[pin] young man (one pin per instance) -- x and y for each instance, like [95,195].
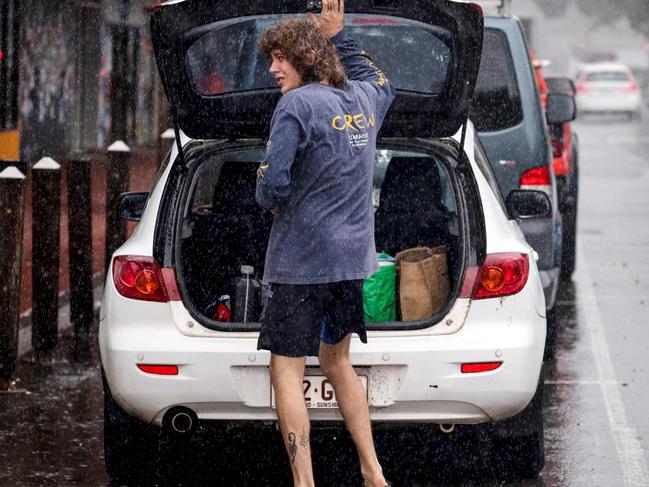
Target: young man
[317,180]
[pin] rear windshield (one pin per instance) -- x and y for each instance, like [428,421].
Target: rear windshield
[224,57]
[496,101]
[607,76]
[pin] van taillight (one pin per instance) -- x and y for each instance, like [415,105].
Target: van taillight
[501,274]
[139,277]
[539,176]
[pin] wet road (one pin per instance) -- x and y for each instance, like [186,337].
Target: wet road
[596,389]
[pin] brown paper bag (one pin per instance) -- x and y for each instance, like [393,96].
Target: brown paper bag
[423,282]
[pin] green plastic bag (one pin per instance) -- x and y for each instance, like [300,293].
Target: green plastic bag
[379,292]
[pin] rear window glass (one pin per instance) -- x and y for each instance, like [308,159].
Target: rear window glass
[608,76]
[224,57]
[496,101]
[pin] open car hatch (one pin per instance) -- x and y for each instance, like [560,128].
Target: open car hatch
[219,86]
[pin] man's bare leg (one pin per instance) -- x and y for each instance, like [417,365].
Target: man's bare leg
[335,363]
[287,374]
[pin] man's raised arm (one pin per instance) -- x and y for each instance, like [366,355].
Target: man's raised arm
[357,63]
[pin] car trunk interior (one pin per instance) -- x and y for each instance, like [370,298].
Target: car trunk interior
[223,229]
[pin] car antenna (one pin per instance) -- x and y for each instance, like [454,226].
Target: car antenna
[174,117]
[464,126]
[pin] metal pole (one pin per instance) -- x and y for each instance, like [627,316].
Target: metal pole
[117,182]
[12,194]
[46,251]
[80,236]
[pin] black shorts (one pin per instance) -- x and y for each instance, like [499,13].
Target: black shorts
[299,316]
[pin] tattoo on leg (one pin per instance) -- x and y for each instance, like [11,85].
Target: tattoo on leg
[304,440]
[292,447]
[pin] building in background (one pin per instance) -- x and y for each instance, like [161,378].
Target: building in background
[75,75]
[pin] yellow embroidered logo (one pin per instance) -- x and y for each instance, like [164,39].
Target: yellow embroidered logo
[354,122]
[264,165]
[381,75]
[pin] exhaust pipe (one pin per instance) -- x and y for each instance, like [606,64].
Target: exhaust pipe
[447,428]
[181,420]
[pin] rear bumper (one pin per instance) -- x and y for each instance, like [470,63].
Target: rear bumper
[411,377]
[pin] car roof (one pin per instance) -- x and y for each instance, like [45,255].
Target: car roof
[605,66]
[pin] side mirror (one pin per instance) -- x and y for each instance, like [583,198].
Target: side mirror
[560,108]
[559,84]
[523,204]
[130,206]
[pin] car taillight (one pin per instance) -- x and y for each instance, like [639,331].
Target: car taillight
[582,88]
[375,21]
[632,87]
[475,368]
[557,147]
[501,274]
[139,277]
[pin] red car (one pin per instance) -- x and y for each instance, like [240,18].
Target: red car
[565,157]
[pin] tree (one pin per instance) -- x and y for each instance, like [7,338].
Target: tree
[638,13]
[603,11]
[553,8]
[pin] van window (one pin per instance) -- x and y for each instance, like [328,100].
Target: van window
[496,101]
[485,168]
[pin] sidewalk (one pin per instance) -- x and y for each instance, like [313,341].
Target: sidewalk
[25,332]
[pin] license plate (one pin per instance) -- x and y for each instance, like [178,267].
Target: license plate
[318,392]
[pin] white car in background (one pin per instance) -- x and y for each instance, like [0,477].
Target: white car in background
[169,364]
[608,88]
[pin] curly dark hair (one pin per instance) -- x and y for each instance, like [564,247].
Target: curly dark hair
[297,39]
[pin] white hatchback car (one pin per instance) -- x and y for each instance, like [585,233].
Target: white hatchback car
[608,88]
[169,363]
